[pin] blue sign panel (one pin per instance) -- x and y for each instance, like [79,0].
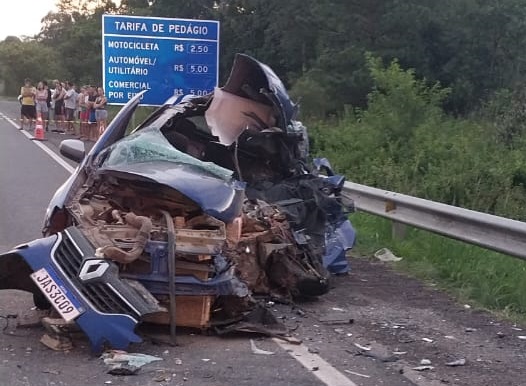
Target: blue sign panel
[168,57]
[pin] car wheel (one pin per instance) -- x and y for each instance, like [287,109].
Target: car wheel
[41,302]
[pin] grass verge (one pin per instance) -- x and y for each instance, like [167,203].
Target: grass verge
[484,278]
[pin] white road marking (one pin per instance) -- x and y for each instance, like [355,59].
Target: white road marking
[46,149]
[324,371]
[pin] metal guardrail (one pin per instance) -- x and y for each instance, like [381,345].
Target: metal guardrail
[492,232]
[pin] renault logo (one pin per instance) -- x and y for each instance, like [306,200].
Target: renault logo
[93,269]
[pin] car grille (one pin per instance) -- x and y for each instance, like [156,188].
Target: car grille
[101,296]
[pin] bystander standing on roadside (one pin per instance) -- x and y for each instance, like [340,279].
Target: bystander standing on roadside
[51,105]
[70,104]
[41,96]
[58,97]
[92,121]
[48,103]
[101,114]
[27,110]
[83,112]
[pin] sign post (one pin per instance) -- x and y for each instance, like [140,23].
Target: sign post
[168,57]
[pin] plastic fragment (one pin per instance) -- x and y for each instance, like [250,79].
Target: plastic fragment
[386,255]
[358,374]
[123,363]
[423,368]
[425,362]
[258,351]
[458,362]
[364,348]
[427,340]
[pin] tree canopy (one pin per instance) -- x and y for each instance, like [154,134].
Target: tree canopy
[473,47]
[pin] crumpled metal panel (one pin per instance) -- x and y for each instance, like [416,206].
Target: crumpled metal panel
[116,329]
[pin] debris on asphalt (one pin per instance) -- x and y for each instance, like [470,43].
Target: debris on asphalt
[423,368]
[425,362]
[300,312]
[162,377]
[357,374]
[428,340]
[56,343]
[336,318]
[313,350]
[458,362]
[124,363]
[516,328]
[178,362]
[258,351]
[522,337]
[500,334]
[380,357]
[59,326]
[338,309]
[49,371]
[399,352]
[467,306]
[31,318]
[363,348]
[404,337]
[470,329]
[288,339]
[449,337]
[386,255]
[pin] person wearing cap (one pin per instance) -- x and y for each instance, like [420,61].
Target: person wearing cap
[27,109]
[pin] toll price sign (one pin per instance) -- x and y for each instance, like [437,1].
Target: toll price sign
[167,57]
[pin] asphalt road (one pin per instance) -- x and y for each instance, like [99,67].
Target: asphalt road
[391,315]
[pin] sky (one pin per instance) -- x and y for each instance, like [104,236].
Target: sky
[22,17]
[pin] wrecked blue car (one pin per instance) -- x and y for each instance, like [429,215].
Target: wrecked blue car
[212,197]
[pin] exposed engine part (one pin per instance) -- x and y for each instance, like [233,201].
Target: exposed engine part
[144,225]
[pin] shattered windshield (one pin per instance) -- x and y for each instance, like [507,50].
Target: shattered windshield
[149,145]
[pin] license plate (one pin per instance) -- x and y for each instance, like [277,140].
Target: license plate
[66,305]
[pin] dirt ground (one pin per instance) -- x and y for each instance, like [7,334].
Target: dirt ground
[407,324]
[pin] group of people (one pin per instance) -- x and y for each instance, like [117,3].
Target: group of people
[65,107]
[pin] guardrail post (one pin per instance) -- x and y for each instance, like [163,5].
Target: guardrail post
[398,230]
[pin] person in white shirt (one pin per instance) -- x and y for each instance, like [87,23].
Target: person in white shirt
[70,105]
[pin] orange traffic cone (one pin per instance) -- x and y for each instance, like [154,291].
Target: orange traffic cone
[39,130]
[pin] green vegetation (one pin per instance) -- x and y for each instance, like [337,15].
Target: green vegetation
[404,142]
[421,97]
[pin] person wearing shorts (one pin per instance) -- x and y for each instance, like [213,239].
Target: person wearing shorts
[70,104]
[41,101]
[101,114]
[27,108]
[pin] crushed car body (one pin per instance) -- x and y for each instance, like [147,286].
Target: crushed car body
[210,200]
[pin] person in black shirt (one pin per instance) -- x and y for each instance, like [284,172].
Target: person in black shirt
[48,102]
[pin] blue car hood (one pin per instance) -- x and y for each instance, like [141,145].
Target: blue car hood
[215,196]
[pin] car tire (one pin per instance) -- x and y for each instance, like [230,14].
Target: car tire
[41,302]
